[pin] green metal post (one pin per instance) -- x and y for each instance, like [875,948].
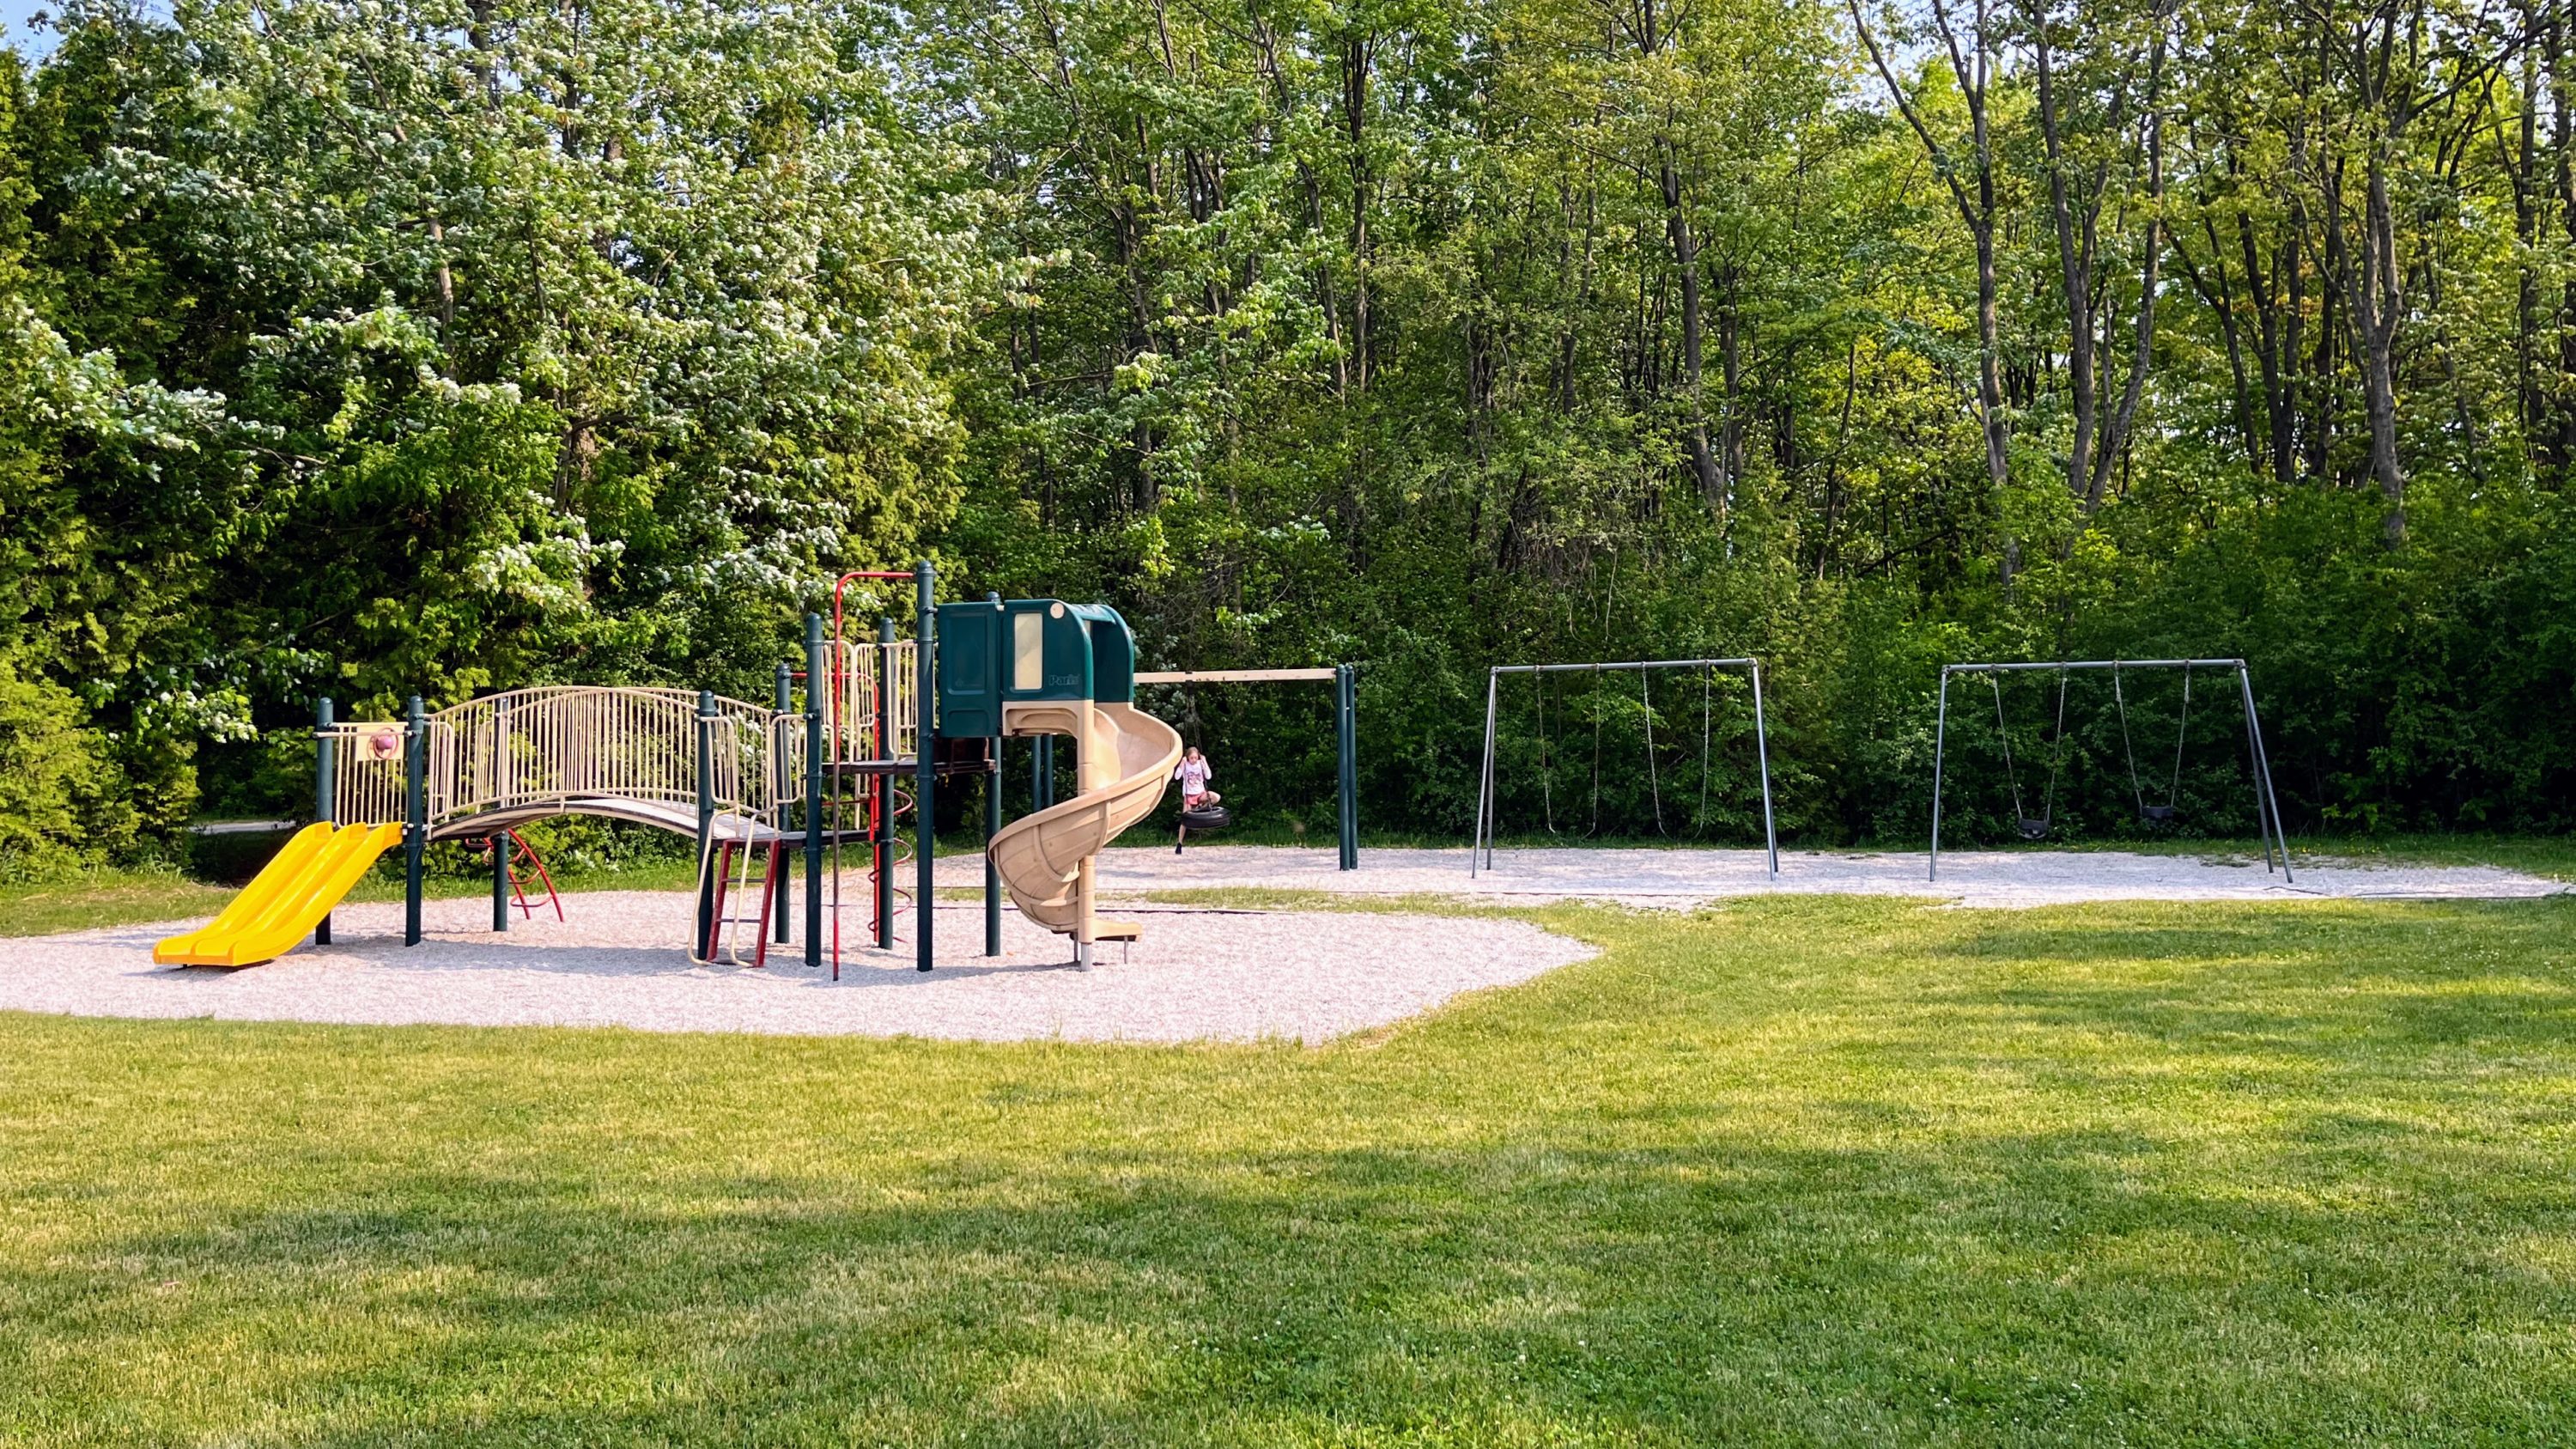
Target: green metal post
[501,840]
[1346,740]
[1041,771]
[500,881]
[925,769]
[993,827]
[706,822]
[815,685]
[415,813]
[326,788]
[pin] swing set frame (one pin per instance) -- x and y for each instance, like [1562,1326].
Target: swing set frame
[2267,805]
[1481,848]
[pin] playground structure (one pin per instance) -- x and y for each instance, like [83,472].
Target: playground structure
[1481,847]
[751,784]
[2267,808]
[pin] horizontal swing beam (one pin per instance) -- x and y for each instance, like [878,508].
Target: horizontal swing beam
[1237,676]
[1624,664]
[2093,664]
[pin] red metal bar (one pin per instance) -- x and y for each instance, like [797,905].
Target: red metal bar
[522,848]
[843,582]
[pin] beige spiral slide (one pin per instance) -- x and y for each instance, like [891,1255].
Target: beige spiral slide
[1045,860]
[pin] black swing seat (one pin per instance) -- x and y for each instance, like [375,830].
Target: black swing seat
[1212,817]
[2033,829]
[2159,814]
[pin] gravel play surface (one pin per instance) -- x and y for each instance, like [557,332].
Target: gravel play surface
[618,961]
[1691,877]
[1197,974]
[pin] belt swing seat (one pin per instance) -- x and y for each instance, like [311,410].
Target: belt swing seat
[2032,827]
[2171,810]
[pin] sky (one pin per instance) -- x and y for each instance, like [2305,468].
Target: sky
[14,29]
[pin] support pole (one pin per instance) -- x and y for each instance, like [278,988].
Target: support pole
[815,685]
[500,842]
[1485,780]
[1346,740]
[993,827]
[1762,752]
[326,788]
[2254,776]
[706,822]
[415,813]
[1940,743]
[1041,771]
[2263,772]
[500,882]
[881,834]
[782,698]
[925,771]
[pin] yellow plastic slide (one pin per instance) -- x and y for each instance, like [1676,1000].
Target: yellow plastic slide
[1044,859]
[288,898]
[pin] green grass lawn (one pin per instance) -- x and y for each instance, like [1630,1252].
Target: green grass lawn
[1796,1171]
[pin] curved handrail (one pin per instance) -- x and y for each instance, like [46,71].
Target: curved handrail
[555,744]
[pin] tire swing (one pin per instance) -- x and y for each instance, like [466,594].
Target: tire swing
[2171,810]
[2032,827]
[1206,817]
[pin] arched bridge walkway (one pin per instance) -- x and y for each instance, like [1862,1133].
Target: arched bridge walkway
[627,754]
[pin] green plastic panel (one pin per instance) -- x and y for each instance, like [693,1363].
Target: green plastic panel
[1028,650]
[970,669]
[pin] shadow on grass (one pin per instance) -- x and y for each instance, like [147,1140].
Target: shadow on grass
[2029,1288]
[1976,1183]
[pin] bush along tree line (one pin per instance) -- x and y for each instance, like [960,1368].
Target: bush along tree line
[453,345]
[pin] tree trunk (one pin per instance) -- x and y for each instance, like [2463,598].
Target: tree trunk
[1358,56]
[2115,437]
[1685,245]
[2374,297]
[2075,246]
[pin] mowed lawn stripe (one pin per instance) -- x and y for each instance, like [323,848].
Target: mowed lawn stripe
[1795,1171]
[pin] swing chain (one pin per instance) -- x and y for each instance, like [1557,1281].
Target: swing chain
[1699,817]
[2056,762]
[1546,757]
[1654,786]
[2003,732]
[1595,827]
[2182,729]
[2120,698]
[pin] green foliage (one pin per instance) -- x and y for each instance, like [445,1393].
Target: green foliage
[442,347]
